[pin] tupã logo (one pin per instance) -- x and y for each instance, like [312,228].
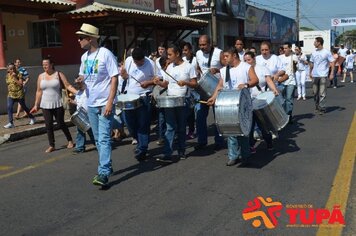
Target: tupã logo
[254,211]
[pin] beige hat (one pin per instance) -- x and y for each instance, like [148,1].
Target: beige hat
[88,30]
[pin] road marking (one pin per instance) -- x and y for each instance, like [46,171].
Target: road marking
[34,166]
[3,168]
[341,186]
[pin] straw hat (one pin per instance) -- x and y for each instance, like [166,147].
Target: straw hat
[88,30]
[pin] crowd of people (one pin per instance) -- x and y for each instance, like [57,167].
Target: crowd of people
[173,71]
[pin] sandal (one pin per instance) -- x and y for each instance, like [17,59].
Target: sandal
[70,144]
[50,149]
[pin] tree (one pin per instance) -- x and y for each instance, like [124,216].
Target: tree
[348,38]
[303,28]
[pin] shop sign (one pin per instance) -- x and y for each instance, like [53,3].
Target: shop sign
[199,7]
[134,4]
[173,6]
[257,23]
[236,8]
[283,29]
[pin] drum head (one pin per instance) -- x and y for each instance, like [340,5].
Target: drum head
[245,111]
[262,100]
[127,97]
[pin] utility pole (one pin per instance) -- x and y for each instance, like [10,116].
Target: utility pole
[213,23]
[297,22]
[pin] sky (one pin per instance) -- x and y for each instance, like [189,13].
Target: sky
[315,14]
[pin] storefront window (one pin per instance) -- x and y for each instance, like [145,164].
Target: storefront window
[45,34]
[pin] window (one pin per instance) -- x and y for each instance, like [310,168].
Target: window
[45,34]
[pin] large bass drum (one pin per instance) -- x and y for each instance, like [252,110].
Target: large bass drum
[269,112]
[80,119]
[207,85]
[233,112]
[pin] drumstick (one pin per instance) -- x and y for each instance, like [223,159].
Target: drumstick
[170,76]
[201,101]
[124,59]
[135,79]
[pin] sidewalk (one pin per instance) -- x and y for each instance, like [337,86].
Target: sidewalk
[23,129]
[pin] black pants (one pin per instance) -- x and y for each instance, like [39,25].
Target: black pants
[58,113]
[265,134]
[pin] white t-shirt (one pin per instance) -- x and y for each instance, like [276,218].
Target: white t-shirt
[238,75]
[203,59]
[287,62]
[321,59]
[184,71]
[273,63]
[194,62]
[301,60]
[342,52]
[81,98]
[241,55]
[140,73]
[262,72]
[350,59]
[97,68]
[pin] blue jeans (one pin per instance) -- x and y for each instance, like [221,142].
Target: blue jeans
[287,92]
[10,104]
[161,124]
[238,146]
[202,112]
[101,126]
[81,139]
[138,121]
[176,121]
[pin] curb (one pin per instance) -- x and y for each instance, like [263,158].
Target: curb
[29,133]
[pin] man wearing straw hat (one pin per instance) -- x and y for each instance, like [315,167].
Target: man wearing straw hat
[99,71]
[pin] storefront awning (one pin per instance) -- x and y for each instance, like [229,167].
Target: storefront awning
[36,6]
[103,10]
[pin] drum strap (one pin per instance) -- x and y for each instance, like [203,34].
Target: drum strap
[227,76]
[210,56]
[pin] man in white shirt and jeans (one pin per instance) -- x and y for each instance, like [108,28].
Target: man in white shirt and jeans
[320,61]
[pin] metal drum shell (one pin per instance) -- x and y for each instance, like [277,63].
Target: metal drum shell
[269,112]
[128,102]
[80,119]
[170,101]
[207,85]
[233,112]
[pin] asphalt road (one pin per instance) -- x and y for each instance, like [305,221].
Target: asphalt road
[52,194]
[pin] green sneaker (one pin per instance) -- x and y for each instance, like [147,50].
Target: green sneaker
[100,180]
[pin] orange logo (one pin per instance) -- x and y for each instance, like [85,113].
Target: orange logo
[254,211]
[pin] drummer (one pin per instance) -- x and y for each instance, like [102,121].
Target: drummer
[264,77]
[177,78]
[235,75]
[211,59]
[138,71]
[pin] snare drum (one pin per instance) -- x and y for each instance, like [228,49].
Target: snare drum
[207,85]
[170,101]
[80,119]
[128,101]
[233,112]
[158,91]
[269,112]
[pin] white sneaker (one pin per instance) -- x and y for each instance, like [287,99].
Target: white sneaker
[9,125]
[32,121]
[299,97]
[351,81]
[304,98]
[134,141]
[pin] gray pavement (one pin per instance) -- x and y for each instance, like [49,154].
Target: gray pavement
[52,194]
